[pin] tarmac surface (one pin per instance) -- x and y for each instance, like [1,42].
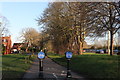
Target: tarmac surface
[51,71]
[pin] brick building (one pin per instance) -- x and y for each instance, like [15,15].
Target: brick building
[7,43]
[17,47]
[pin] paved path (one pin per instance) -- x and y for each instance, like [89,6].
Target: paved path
[51,71]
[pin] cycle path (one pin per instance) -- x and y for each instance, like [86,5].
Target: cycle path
[51,70]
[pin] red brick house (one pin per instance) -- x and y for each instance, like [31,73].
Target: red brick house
[17,47]
[6,41]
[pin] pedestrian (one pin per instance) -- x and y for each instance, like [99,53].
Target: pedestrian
[45,51]
[41,50]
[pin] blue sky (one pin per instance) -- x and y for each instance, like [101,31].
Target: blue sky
[22,15]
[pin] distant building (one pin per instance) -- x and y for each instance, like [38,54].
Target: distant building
[17,47]
[6,42]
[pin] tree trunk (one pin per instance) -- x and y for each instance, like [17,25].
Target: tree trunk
[26,49]
[80,46]
[108,42]
[111,32]
[111,43]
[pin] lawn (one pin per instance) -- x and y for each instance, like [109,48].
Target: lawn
[15,65]
[92,65]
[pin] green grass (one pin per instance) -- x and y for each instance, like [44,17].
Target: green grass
[92,65]
[15,65]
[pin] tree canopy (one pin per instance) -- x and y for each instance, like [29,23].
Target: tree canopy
[69,23]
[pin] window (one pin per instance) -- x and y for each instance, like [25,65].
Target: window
[4,40]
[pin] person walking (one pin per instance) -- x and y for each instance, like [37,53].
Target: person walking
[45,51]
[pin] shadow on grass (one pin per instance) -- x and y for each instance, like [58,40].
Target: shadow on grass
[12,74]
[94,67]
[14,66]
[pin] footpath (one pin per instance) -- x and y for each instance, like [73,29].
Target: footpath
[51,71]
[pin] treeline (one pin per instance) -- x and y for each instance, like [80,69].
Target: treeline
[104,47]
[67,24]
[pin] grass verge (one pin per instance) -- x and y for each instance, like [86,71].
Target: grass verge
[92,65]
[15,65]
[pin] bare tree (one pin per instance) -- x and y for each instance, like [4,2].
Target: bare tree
[30,36]
[106,17]
[4,24]
[69,23]
[65,23]
[3,29]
